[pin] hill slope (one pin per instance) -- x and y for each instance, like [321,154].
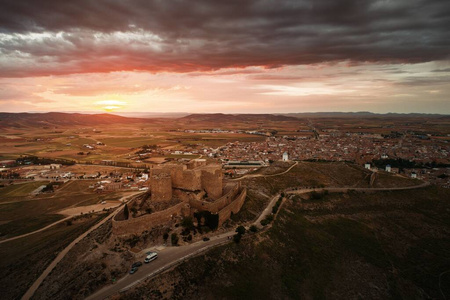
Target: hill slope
[61,119]
[387,245]
[223,118]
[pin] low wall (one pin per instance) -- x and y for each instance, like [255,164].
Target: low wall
[146,222]
[234,207]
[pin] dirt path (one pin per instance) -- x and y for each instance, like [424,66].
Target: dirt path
[36,231]
[264,175]
[171,256]
[75,211]
[346,189]
[61,255]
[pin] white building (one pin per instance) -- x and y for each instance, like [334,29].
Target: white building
[367,166]
[285,156]
[388,168]
[413,175]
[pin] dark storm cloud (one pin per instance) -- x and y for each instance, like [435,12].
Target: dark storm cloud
[186,36]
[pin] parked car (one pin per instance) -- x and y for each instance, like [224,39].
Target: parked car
[133,270]
[136,264]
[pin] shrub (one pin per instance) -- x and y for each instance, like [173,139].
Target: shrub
[253,228]
[274,209]
[267,220]
[174,238]
[240,230]
[165,237]
[187,223]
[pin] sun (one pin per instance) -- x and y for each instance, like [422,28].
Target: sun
[111,105]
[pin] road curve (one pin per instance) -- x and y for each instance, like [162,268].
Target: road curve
[168,258]
[171,256]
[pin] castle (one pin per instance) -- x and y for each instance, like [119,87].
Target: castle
[180,190]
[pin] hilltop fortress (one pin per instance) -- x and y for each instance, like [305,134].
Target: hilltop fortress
[180,190]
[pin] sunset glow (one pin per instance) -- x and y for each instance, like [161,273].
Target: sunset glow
[323,56]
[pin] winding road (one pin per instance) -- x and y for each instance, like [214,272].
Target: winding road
[171,256]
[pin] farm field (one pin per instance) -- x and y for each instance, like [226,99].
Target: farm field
[23,260]
[19,190]
[23,214]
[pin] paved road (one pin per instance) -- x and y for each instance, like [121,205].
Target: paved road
[167,258]
[171,256]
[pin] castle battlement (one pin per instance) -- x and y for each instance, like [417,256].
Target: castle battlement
[199,187]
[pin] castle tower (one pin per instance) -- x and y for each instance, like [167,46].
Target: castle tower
[212,181]
[161,187]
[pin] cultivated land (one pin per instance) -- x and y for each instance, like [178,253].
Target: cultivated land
[23,260]
[22,212]
[377,244]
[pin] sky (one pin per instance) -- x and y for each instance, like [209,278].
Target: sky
[254,56]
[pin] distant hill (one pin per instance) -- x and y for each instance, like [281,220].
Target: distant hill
[61,119]
[222,118]
[359,114]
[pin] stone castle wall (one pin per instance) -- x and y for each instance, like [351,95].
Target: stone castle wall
[146,222]
[186,179]
[187,196]
[233,207]
[189,183]
[211,181]
[161,187]
[217,205]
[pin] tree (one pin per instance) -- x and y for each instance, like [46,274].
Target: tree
[253,228]
[126,212]
[240,230]
[165,237]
